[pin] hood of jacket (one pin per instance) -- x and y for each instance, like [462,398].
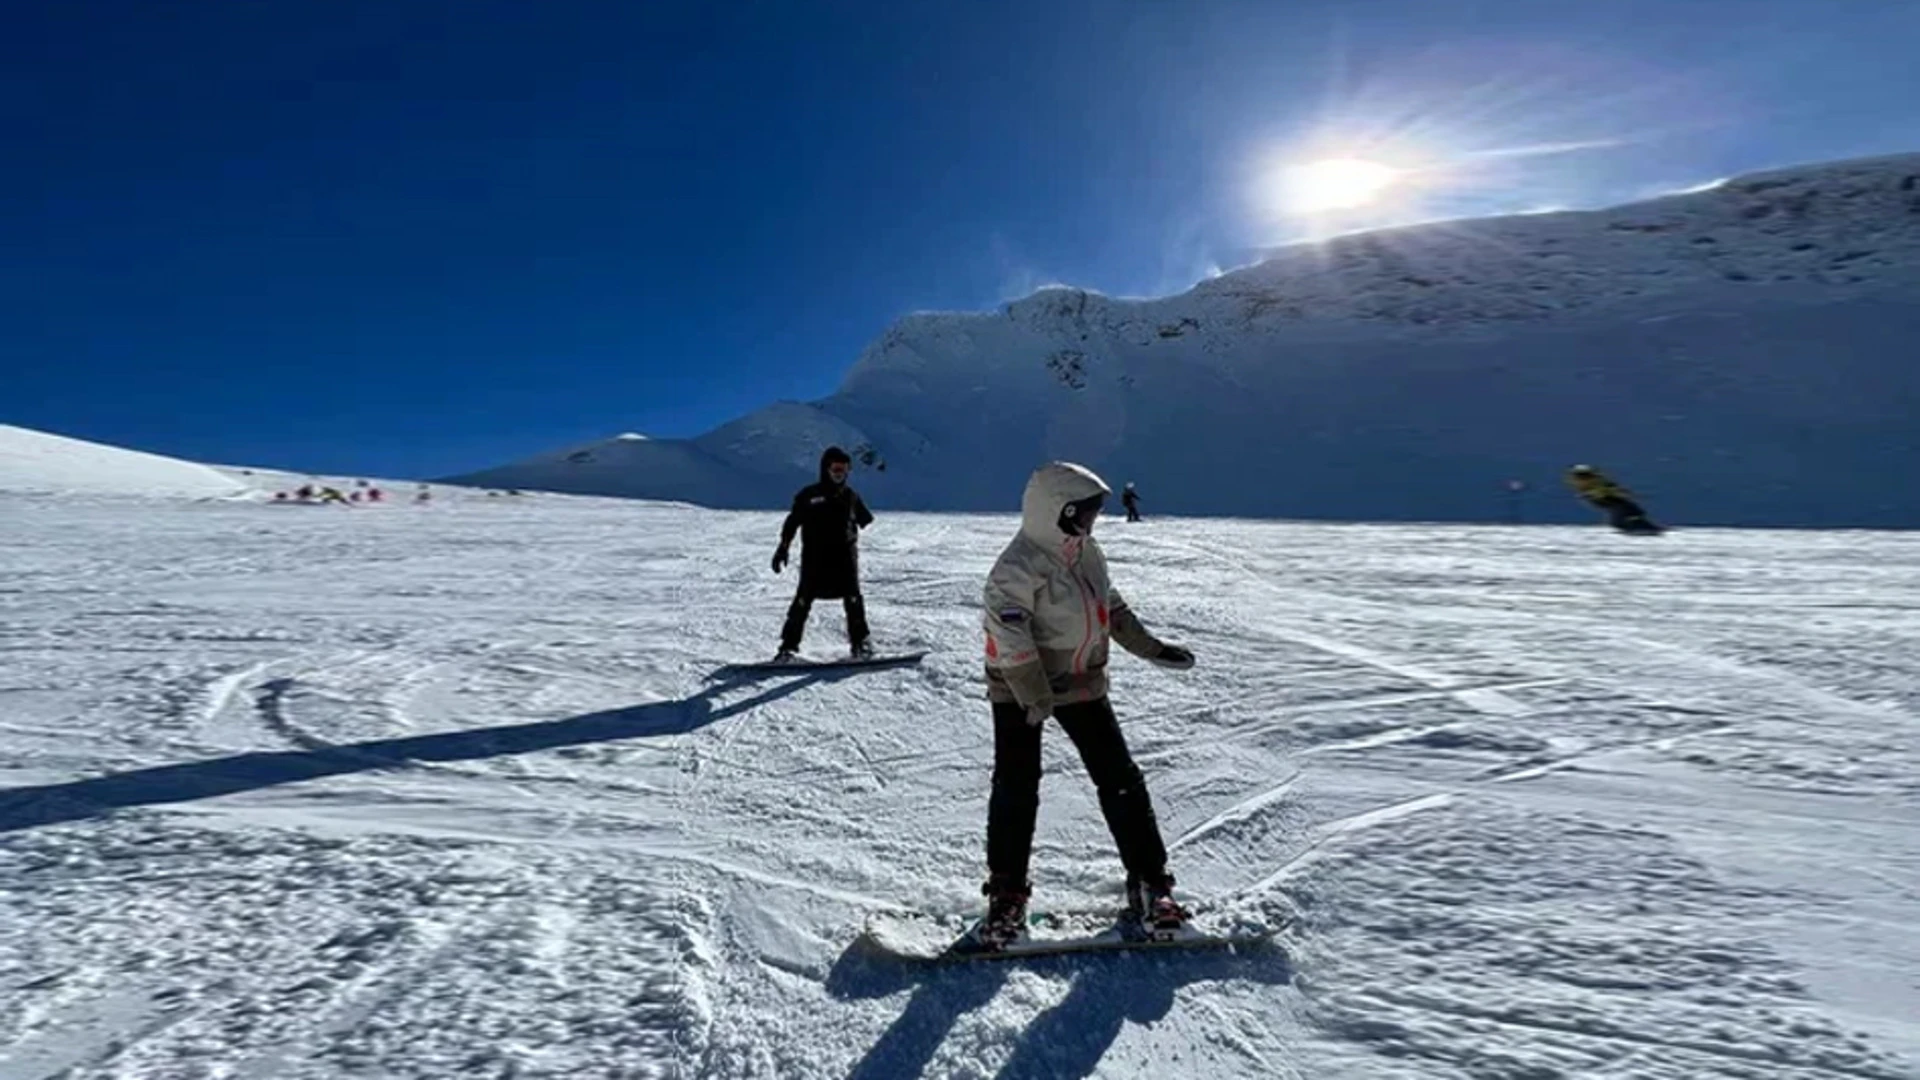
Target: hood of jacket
[830,455]
[1051,487]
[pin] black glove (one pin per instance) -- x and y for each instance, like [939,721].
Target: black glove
[1174,657]
[779,557]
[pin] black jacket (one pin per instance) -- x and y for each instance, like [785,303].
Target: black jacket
[828,517]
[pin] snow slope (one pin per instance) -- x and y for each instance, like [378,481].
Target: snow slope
[757,461]
[45,465]
[35,461]
[1741,354]
[411,795]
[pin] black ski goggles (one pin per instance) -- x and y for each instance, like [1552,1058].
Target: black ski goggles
[1076,518]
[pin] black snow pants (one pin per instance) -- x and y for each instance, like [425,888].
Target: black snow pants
[802,606]
[1623,513]
[1015,803]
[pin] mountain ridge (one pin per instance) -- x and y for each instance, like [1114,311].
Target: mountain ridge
[1737,352]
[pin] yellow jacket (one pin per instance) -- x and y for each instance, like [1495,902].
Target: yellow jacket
[1592,486]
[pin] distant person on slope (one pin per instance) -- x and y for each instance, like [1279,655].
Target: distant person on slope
[1050,614]
[1130,499]
[828,516]
[1604,494]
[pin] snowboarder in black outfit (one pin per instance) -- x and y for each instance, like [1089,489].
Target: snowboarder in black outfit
[1603,493]
[828,516]
[1130,499]
[1050,613]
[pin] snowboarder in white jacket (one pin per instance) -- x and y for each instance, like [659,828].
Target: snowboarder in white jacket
[1050,613]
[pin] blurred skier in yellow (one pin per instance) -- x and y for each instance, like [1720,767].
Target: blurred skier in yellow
[1605,494]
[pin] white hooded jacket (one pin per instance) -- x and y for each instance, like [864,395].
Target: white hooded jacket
[1050,609]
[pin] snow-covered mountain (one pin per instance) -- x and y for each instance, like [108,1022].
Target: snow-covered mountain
[752,462]
[38,462]
[1739,354]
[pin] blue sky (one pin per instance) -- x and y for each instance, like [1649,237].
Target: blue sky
[408,238]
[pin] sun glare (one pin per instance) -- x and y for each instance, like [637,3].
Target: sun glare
[1335,184]
[1457,132]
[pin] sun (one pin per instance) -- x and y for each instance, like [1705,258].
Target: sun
[1335,184]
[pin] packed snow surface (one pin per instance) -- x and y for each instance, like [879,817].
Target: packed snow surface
[449,790]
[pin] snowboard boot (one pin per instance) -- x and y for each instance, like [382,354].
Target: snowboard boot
[863,651]
[1006,918]
[1150,902]
[785,656]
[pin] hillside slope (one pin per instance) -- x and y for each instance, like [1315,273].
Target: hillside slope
[1739,354]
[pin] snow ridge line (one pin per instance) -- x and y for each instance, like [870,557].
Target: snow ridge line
[1487,700]
[1482,699]
[222,691]
[1794,685]
[1403,697]
[1394,811]
[269,702]
[1339,827]
[1238,812]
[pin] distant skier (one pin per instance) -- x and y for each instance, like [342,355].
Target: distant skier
[828,516]
[1050,614]
[1604,494]
[1130,499]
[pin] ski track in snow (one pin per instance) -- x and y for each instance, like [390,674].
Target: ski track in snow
[454,791]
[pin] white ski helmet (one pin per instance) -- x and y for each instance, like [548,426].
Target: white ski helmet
[1061,500]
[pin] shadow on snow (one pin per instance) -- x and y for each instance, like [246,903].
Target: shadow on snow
[77,800]
[1067,1040]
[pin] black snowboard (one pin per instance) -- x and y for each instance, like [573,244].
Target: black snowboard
[803,663]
